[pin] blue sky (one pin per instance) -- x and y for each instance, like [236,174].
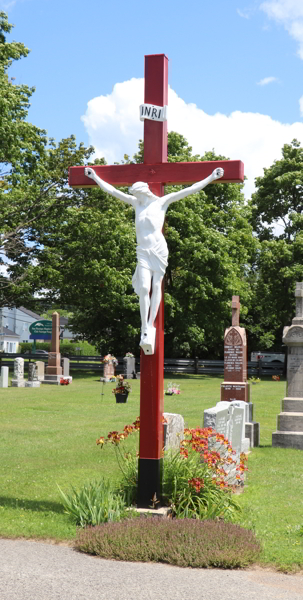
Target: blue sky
[235,72]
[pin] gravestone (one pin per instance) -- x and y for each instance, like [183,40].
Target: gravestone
[53,371]
[174,431]
[235,385]
[18,378]
[227,420]
[65,364]
[40,369]
[129,367]
[245,442]
[32,376]
[4,377]
[252,432]
[109,369]
[218,417]
[289,432]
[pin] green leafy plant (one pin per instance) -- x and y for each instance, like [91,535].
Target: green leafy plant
[190,488]
[94,504]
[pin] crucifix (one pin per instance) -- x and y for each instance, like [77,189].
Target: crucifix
[146,195]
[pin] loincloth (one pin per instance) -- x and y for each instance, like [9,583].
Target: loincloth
[154,259]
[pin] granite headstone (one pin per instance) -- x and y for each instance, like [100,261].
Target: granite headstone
[289,432]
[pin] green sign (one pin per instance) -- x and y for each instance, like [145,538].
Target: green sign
[43,327]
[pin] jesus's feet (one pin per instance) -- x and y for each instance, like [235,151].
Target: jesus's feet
[147,342]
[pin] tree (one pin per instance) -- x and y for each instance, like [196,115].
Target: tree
[279,261]
[33,183]
[279,196]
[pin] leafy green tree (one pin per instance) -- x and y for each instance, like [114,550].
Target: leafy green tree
[33,180]
[279,196]
[277,219]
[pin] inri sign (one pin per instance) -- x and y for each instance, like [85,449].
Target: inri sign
[152,112]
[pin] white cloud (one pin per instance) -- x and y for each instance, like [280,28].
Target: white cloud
[114,128]
[245,14]
[301,106]
[290,14]
[267,80]
[7,5]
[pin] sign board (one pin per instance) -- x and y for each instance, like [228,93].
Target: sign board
[41,330]
[152,112]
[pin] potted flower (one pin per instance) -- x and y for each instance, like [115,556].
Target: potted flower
[254,380]
[172,388]
[122,389]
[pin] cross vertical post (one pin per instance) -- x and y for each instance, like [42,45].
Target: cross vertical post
[235,305]
[152,366]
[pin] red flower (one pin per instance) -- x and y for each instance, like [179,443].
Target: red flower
[196,483]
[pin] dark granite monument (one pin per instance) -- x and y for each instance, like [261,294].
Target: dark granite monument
[235,385]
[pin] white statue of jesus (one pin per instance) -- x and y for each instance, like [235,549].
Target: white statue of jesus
[152,251]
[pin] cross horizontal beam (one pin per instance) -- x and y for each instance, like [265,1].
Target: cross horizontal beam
[164,173]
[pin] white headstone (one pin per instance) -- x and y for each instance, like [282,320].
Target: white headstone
[18,378]
[40,369]
[4,377]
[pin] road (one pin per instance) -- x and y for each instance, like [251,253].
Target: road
[31,570]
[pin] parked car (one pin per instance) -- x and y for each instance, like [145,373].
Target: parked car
[268,356]
[44,352]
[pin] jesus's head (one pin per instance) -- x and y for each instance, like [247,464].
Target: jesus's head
[140,189]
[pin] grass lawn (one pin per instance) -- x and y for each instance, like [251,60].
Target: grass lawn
[48,437]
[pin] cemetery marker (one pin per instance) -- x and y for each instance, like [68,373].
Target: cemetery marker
[157,172]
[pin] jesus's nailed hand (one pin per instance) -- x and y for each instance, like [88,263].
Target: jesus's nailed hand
[89,172]
[218,173]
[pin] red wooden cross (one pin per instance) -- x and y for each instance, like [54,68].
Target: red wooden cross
[157,172]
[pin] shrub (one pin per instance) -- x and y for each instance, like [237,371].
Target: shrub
[66,348]
[94,504]
[185,543]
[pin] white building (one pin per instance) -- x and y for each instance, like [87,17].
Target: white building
[14,327]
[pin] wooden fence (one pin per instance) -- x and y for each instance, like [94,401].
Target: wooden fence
[171,365]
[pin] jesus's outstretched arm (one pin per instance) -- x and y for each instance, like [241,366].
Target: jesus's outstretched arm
[107,187]
[193,189]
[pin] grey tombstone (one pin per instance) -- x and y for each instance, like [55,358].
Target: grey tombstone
[4,377]
[289,432]
[218,417]
[252,432]
[174,431]
[33,381]
[245,442]
[236,429]
[40,369]
[18,378]
[65,366]
[129,367]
